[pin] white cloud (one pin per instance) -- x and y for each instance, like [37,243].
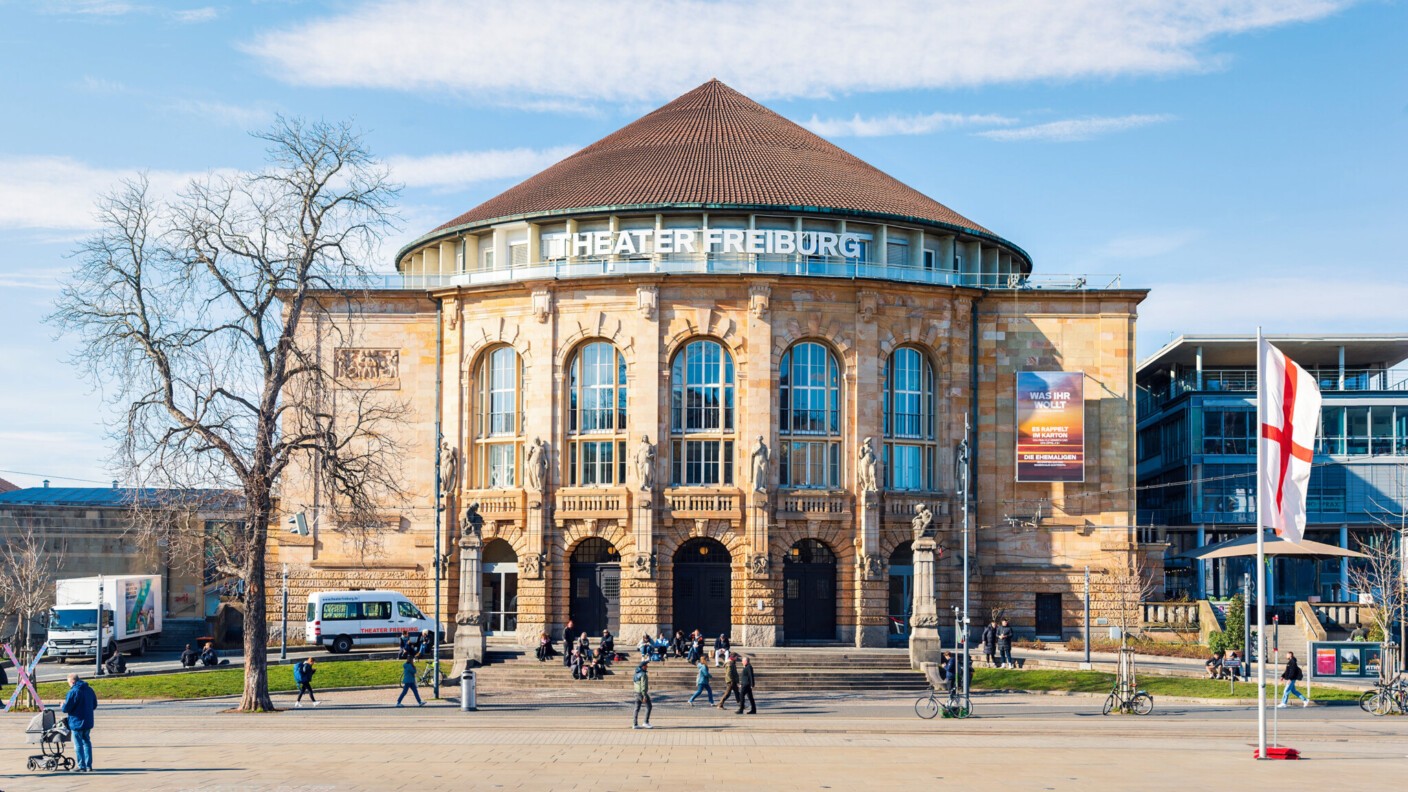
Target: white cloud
[1074,129]
[43,279]
[205,14]
[1130,247]
[514,51]
[222,113]
[116,8]
[879,126]
[59,192]
[459,169]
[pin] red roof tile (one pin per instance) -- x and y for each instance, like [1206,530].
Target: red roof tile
[713,146]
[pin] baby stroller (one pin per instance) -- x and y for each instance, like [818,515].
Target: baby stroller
[51,734]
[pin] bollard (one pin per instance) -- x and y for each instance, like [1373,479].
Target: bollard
[467,703]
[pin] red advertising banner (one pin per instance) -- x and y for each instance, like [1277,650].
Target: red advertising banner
[1050,426]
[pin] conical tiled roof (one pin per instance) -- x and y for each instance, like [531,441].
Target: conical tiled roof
[713,146]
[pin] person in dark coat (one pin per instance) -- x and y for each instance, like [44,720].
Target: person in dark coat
[408,682]
[79,705]
[990,644]
[745,688]
[1004,645]
[1292,675]
[641,685]
[948,670]
[731,682]
[303,675]
[607,645]
[189,657]
[208,656]
[569,638]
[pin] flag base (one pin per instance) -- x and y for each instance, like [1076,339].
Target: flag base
[1277,752]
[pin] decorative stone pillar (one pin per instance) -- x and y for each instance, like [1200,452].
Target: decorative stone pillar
[924,645]
[872,589]
[756,626]
[469,617]
[643,598]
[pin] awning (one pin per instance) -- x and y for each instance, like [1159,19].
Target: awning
[1245,546]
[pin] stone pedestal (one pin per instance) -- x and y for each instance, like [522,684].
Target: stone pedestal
[872,584]
[469,618]
[924,642]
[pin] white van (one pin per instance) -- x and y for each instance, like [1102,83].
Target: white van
[340,619]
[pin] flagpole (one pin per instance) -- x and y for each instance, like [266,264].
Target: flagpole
[1260,561]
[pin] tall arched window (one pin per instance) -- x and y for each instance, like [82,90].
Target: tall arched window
[909,452]
[701,416]
[809,394]
[499,413]
[596,417]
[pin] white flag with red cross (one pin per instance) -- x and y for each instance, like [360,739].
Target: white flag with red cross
[1289,407]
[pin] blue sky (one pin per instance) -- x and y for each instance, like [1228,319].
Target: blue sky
[1243,159]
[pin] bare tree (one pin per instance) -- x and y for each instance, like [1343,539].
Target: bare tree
[1381,575]
[1119,593]
[207,317]
[27,570]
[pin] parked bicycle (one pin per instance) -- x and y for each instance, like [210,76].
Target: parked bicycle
[1386,697]
[427,676]
[952,707]
[1128,700]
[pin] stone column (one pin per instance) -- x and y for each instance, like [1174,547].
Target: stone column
[924,644]
[642,608]
[751,626]
[871,600]
[469,617]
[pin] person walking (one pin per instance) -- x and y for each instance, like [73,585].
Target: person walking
[1004,645]
[990,644]
[641,684]
[408,682]
[731,681]
[701,683]
[303,675]
[745,687]
[79,705]
[1292,675]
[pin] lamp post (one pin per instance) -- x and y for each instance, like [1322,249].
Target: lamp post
[98,640]
[1087,617]
[283,633]
[439,507]
[963,493]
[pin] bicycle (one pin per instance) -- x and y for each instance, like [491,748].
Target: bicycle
[427,676]
[930,706]
[1386,698]
[1126,700]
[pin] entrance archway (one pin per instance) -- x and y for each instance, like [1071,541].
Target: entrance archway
[703,587]
[901,591]
[809,592]
[500,565]
[594,602]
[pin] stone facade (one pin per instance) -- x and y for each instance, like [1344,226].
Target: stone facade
[1027,538]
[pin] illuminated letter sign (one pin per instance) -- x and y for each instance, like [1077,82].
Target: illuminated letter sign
[1050,426]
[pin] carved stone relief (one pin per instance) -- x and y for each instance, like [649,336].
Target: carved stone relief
[366,365]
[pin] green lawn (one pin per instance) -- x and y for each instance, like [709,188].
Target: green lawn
[230,682]
[1098,682]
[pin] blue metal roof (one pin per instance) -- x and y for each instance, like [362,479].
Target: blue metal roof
[112,497]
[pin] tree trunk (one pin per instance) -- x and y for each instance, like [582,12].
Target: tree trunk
[256,625]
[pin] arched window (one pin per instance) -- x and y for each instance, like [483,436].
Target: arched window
[596,417]
[701,416]
[809,394]
[908,456]
[499,413]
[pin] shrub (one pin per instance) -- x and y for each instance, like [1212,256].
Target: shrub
[1234,630]
[1217,641]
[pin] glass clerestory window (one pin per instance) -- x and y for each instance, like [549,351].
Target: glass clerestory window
[702,416]
[909,451]
[809,397]
[596,418]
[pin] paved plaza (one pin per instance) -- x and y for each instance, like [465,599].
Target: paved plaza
[581,739]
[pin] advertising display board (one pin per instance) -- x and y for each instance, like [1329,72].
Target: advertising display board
[1050,426]
[1351,659]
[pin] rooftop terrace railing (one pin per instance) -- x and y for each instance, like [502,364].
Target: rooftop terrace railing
[1244,381]
[758,264]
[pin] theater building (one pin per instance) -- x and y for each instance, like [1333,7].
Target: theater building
[703,373]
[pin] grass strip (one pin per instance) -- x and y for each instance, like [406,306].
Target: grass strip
[1054,680]
[230,682]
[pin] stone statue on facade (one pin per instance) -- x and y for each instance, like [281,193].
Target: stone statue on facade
[645,463]
[536,464]
[644,564]
[923,519]
[531,565]
[449,472]
[760,465]
[871,566]
[758,564]
[866,467]
[473,523]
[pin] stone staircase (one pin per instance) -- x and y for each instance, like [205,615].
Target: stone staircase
[829,669]
[176,633]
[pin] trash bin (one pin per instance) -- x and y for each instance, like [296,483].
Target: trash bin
[467,703]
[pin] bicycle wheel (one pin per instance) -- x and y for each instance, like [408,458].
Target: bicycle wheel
[1366,698]
[1381,703]
[1143,704]
[927,708]
[1109,704]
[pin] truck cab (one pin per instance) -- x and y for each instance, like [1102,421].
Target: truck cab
[73,629]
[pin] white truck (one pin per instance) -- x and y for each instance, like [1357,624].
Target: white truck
[131,605]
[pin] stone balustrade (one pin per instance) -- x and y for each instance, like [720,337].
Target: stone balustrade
[1170,614]
[497,504]
[703,503]
[1340,615]
[814,505]
[592,503]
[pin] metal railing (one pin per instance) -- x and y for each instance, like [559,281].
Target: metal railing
[746,264]
[1244,381]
